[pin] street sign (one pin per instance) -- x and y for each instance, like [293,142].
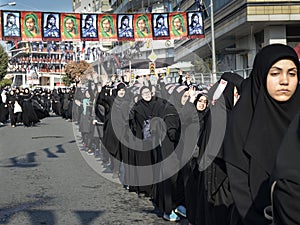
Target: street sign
[152,56]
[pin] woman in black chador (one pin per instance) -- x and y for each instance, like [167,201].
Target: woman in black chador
[269,101]
[115,120]
[10,100]
[215,201]
[29,116]
[4,115]
[143,111]
[168,195]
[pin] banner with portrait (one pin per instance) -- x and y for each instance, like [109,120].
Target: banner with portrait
[107,27]
[125,27]
[195,24]
[178,22]
[160,26]
[142,26]
[51,26]
[11,30]
[31,26]
[88,27]
[70,30]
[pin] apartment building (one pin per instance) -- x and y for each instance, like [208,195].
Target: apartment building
[241,28]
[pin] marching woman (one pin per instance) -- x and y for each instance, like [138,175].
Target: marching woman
[269,101]
[118,105]
[10,101]
[143,111]
[214,201]
[4,114]
[29,116]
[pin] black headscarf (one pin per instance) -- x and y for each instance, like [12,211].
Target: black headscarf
[258,121]
[255,130]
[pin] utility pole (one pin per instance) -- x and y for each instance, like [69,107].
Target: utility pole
[214,67]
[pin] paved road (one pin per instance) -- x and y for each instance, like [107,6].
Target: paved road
[47,180]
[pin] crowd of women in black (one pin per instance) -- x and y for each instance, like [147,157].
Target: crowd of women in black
[226,155]
[237,173]
[26,107]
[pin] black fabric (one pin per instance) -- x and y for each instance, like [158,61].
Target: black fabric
[142,111]
[254,132]
[215,204]
[286,195]
[29,116]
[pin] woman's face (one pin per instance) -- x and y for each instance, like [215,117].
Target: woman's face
[185,97]
[202,103]
[146,94]
[282,80]
[121,93]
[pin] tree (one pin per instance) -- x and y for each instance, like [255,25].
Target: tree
[78,71]
[3,62]
[5,82]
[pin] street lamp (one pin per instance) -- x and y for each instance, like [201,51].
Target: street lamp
[8,4]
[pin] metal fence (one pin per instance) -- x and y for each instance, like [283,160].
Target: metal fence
[207,78]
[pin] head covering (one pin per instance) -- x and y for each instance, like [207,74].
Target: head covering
[177,94]
[255,130]
[120,86]
[256,107]
[225,86]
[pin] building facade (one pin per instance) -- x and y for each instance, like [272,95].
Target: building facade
[241,28]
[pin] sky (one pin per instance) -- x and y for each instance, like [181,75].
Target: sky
[39,5]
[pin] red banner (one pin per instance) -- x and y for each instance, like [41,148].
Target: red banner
[69,27]
[178,26]
[143,26]
[107,27]
[31,26]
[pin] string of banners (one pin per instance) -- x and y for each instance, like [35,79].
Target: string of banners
[49,26]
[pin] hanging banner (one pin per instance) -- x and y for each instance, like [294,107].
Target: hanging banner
[31,26]
[195,24]
[70,27]
[125,27]
[51,26]
[160,24]
[89,29]
[178,23]
[107,27]
[11,30]
[143,26]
